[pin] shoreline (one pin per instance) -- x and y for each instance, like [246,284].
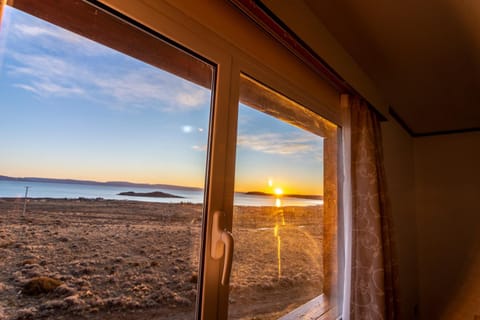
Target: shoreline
[93,199]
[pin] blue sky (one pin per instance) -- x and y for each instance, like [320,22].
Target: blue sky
[268,149]
[71,108]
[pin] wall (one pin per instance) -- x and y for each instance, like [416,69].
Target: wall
[447,178]
[298,16]
[399,167]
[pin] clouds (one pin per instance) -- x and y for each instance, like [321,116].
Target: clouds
[190,97]
[55,39]
[45,88]
[30,30]
[202,148]
[44,75]
[285,144]
[148,88]
[51,63]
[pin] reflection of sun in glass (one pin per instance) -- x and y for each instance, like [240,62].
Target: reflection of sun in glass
[278,203]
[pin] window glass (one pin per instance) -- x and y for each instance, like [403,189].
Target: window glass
[103,150]
[285,233]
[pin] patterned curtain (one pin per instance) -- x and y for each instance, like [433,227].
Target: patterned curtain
[374,276]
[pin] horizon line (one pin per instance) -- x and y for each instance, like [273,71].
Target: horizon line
[87,181]
[120,183]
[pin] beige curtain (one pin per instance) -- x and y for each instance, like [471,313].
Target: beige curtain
[374,276]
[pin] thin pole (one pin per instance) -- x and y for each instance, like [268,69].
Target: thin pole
[25,203]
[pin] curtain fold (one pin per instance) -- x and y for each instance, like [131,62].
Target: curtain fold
[374,274]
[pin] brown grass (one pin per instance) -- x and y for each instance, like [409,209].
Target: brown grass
[139,260]
[40,285]
[6,244]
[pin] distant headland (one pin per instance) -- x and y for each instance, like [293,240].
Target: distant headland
[154,194]
[97,183]
[298,196]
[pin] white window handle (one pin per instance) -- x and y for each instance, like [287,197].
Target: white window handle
[222,245]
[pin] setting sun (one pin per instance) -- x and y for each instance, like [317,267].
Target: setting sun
[278,191]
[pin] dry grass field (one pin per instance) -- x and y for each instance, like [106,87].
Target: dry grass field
[108,259]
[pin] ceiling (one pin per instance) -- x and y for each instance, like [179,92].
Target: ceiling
[423,56]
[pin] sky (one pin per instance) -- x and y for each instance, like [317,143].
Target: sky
[72,108]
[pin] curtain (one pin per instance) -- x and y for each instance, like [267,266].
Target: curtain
[373,268]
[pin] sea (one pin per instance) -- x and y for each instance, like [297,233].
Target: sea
[16,189]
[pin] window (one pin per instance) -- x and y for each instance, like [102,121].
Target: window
[104,157]
[284,219]
[123,156]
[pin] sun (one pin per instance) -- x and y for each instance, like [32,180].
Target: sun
[278,191]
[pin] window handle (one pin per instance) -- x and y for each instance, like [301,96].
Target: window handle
[222,245]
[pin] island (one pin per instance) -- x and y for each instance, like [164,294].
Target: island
[298,196]
[154,194]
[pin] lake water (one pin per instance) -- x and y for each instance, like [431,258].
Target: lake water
[16,189]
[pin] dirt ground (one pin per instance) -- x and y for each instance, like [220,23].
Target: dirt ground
[139,260]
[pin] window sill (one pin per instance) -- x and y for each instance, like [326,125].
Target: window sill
[318,308]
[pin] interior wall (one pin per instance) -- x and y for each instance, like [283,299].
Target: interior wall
[447,179]
[300,18]
[399,167]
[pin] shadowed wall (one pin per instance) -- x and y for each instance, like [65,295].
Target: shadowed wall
[447,178]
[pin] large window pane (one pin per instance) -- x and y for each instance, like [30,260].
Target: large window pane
[285,233]
[102,167]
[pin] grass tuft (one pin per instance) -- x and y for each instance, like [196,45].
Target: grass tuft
[40,285]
